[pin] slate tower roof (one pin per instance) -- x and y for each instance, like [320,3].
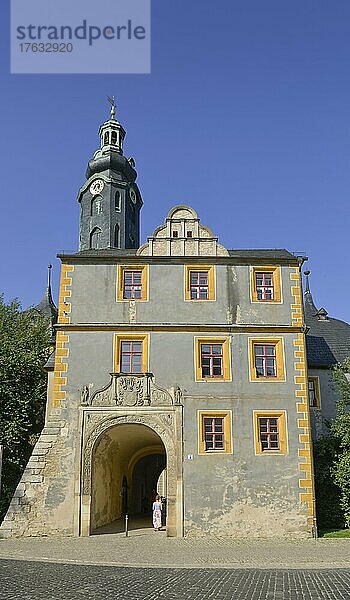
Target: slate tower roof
[328,339]
[46,305]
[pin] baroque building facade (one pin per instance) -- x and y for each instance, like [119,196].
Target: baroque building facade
[178,359]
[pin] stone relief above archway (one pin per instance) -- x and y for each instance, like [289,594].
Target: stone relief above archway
[131,390]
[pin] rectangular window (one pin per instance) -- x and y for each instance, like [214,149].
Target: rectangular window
[199,285]
[131,353]
[270,432]
[199,282]
[132,283]
[266,359]
[212,359]
[314,392]
[269,437]
[265,284]
[131,356]
[214,432]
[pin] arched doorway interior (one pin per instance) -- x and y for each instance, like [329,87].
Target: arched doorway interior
[127,460]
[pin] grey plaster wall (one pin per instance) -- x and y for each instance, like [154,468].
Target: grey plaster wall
[171,360]
[94,297]
[241,493]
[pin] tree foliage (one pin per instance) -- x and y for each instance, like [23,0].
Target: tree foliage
[24,343]
[328,493]
[332,459]
[340,428]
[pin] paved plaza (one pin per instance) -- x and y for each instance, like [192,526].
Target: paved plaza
[148,565]
[21,580]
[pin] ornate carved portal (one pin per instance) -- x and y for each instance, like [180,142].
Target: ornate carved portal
[135,401]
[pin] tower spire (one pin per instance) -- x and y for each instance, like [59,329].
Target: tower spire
[47,305]
[309,304]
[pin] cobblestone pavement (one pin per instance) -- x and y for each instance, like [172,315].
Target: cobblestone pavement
[144,548]
[22,580]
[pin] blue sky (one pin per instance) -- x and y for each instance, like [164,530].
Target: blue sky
[245,117]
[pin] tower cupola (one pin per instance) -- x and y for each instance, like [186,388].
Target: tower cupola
[112,134]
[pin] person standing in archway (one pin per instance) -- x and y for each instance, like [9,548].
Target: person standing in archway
[157,513]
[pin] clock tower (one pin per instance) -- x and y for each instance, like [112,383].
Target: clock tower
[110,200]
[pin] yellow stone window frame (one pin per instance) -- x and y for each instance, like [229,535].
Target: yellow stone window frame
[132,337]
[212,414]
[144,282]
[210,269]
[277,286]
[226,358]
[279,353]
[316,381]
[281,415]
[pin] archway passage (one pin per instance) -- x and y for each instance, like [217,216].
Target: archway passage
[127,462]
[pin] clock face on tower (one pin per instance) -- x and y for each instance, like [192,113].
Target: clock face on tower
[96,187]
[133,196]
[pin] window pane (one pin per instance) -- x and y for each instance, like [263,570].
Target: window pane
[205,349]
[219,441]
[217,371]
[203,278]
[137,277]
[263,422]
[218,424]
[273,425]
[270,350]
[136,363]
[137,346]
[125,366]
[217,349]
